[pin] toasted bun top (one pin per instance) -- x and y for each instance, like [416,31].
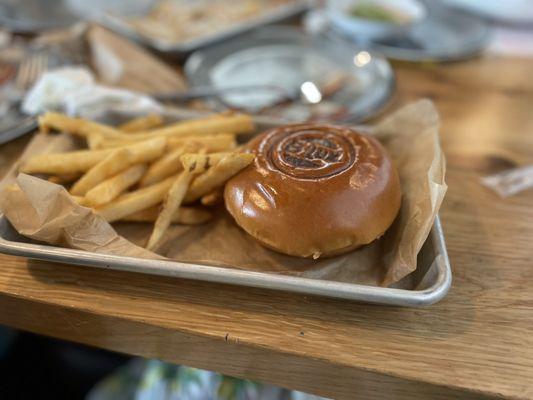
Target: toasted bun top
[315,190]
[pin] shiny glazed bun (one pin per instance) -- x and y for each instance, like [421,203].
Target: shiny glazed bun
[315,190]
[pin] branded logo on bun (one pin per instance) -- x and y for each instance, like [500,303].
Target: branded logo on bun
[308,154]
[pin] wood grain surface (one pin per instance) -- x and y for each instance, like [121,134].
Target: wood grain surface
[478,342]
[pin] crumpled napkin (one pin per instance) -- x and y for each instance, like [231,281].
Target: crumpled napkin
[74,91]
[511,181]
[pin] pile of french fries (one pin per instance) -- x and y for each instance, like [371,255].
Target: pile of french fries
[143,170]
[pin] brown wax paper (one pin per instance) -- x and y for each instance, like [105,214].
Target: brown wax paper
[46,212]
[43,211]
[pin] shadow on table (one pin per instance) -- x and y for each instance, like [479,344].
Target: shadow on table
[37,367]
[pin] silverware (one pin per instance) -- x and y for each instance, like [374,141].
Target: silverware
[307,93]
[31,69]
[26,125]
[210,91]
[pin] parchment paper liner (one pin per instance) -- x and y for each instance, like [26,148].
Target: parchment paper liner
[44,211]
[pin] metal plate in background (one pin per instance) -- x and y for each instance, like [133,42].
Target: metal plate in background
[15,124]
[446,35]
[34,16]
[31,16]
[289,58]
[184,48]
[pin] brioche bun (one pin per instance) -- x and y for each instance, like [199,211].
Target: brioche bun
[315,190]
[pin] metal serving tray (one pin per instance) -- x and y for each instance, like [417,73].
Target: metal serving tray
[430,282]
[183,48]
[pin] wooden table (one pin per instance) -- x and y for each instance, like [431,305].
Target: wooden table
[477,342]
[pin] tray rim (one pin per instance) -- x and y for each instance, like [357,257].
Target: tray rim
[170,268]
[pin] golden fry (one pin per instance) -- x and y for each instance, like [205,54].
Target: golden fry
[173,200]
[212,199]
[64,163]
[80,200]
[171,163]
[147,151]
[166,166]
[111,188]
[218,175]
[63,179]
[184,215]
[84,160]
[107,143]
[115,162]
[220,142]
[236,123]
[94,141]
[212,143]
[201,161]
[132,202]
[175,164]
[145,122]
[171,205]
[75,126]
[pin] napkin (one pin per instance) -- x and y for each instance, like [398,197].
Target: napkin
[74,91]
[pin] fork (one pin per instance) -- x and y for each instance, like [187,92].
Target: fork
[31,69]
[211,91]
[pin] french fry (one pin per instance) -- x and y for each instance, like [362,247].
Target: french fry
[63,179]
[111,188]
[145,122]
[174,199]
[64,163]
[79,199]
[107,143]
[212,143]
[218,175]
[115,162]
[171,205]
[220,142]
[84,160]
[147,151]
[174,165]
[75,126]
[94,141]
[202,161]
[184,215]
[236,123]
[166,166]
[170,164]
[213,198]
[135,201]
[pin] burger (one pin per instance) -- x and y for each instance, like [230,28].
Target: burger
[315,190]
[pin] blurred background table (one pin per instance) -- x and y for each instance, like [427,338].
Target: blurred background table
[477,342]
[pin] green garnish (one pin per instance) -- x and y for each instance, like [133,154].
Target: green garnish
[374,12]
